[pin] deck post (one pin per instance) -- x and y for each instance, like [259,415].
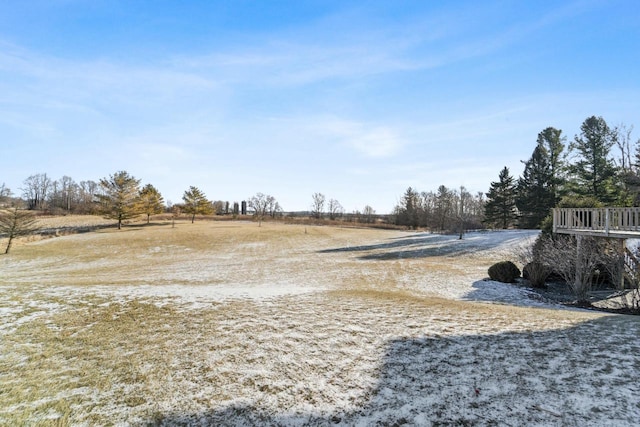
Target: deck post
[578,278]
[607,219]
[623,247]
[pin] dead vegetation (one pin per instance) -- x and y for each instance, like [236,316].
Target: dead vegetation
[231,323]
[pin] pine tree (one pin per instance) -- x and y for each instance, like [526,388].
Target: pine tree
[594,172]
[196,203]
[534,192]
[407,212]
[120,197]
[553,142]
[500,208]
[151,201]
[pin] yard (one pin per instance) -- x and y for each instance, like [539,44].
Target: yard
[228,323]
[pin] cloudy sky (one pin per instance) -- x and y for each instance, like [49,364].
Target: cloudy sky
[355,100]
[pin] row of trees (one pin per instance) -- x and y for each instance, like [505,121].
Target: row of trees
[333,210]
[121,198]
[586,172]
[444,210]
[40,192]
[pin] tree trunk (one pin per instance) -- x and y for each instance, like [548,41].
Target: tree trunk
[9,244]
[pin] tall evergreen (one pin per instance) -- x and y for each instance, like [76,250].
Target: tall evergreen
[594,172]
[500,208]
[535,194]
[553,142]
[408,211]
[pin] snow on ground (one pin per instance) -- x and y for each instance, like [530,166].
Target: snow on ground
[282,327]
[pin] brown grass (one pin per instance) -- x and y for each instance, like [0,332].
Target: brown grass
[74,356]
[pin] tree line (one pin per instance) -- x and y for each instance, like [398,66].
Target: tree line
[445,210]
[121,197]
[599,167]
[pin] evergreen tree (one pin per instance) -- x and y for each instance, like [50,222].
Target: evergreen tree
[120,197]
[534,195]
[594,173]
[408,211]
[196,203]
[553,142]
[151,201]
[500,208]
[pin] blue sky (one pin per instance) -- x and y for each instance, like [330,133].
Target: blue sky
[356,100]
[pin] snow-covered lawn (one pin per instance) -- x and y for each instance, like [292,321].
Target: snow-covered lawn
[234,324]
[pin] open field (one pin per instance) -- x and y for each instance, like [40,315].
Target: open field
[233,324]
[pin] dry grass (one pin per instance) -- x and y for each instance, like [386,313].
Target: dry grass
[74,353]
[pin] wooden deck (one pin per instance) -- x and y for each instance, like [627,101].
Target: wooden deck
[620,223]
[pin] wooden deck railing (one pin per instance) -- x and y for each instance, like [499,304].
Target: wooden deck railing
[601,220]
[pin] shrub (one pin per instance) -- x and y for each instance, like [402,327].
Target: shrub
[504,271]
[537,274]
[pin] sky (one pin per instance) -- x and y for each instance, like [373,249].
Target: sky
[357,100]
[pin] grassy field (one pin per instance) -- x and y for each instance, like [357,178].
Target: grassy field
[233,324]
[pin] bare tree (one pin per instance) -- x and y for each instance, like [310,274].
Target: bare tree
[5,194]
[368,214]
[35,190]
[464,201]
[68,192]
[445,211]
[317,206]
[622,136]
[87,193]
[273,209]
[176,211]
[16,222]
[63,194]
[218,206]
[335,209]
[263,205]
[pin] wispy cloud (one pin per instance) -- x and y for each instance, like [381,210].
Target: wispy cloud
[437,94]
[371,140]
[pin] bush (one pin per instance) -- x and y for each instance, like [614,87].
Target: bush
[537,274]
[504,271]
